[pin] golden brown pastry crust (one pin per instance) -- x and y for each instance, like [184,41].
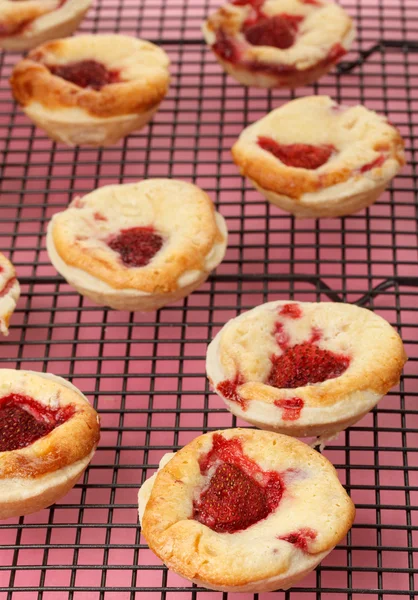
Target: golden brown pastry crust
[270,174]
[67,444]
[180,211]
[222,560]
[32,81]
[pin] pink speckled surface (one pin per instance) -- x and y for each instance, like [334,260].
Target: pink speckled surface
[145,373]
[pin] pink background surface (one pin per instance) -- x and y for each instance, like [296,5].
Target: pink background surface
[145,373]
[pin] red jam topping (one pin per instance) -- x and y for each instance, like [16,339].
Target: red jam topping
[99,217]
[336,52]
[306,364]
[7,287]
[378,162]
[228,389]
[254,3]
[239,492]
[300,538]
[278,31]
[226,47]
[86,74]
[293,311]
[300,156]
[23,421]
[137,246]
[292,407]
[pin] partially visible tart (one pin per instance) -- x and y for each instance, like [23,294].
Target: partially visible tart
[243,510]
[279,43]
[315,158]
[92,90]
[304,369]
[48,435]
[138,246]
[9,293]
[25,24]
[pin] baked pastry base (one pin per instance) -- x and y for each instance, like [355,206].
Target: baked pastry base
[87,132]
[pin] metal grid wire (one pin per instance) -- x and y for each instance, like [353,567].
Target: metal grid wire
[145,373]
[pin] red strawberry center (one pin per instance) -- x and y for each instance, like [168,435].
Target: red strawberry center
[300,538]
[86,74]
[305,364]
[278,31]
[239,493]
[136,246]
[300,156]
[23,421]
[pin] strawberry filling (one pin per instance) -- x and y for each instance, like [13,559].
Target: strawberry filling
[136,246]
[86,74]
[23,421]
[254,3]
[292,407]
[229,390]
[238,493]
[305,364]
[293,311]
[300,156]
[377,162]
[7,287]
[300,538]
[278,31]
[97,216]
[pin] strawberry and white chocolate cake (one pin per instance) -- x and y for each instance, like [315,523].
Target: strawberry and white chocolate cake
[315,158]
[92,90]
[9,293]
[279,43]
[305,369]
[244,510]
[26,23]
[138,246]
[48,435]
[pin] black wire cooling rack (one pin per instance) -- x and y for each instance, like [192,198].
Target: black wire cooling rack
[145,373]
